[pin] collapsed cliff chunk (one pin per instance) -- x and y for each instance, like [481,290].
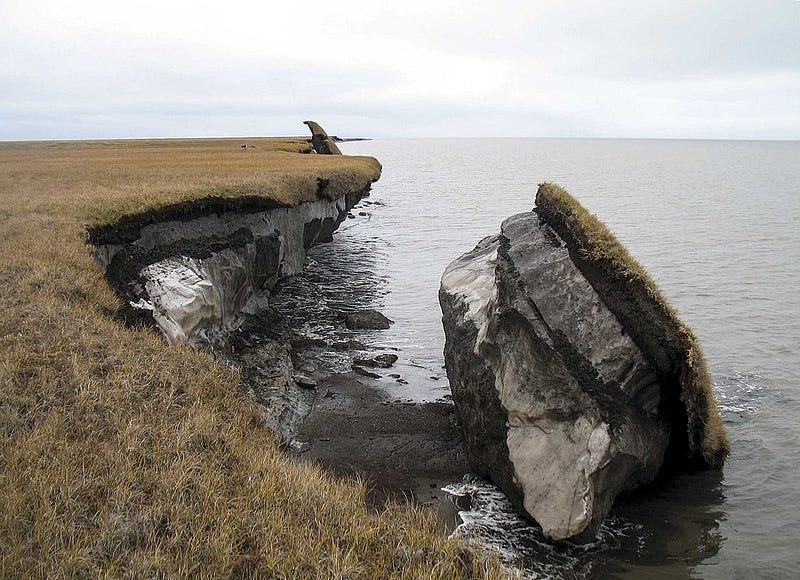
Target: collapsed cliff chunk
[574,379]
[320,141]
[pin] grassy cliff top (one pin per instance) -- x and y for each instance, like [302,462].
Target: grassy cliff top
[633,296]
[101,181]
[121,455]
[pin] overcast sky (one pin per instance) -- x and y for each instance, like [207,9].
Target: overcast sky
[427,68]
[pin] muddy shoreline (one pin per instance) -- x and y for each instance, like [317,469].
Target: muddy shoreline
[405,451]
[349,423]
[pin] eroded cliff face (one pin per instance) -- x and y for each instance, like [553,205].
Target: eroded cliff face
[195,275]
[561,407]
[203,270]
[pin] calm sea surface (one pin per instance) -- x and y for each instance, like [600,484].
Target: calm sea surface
[715,223]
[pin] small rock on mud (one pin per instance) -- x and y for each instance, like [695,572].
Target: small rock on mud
[367,319]
[349,345]
[364,372]
[383,361]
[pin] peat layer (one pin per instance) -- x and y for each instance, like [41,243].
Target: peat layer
[698,436]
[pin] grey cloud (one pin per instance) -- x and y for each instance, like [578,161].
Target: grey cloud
[673,69]
[654,39]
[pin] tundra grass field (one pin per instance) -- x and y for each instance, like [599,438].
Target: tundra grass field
[123,456]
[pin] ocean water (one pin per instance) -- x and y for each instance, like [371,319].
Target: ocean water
[714,222]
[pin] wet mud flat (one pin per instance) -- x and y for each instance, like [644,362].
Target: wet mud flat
[403,450]
[351,423]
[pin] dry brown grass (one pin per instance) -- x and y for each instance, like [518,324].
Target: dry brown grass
[99,182]
[598,245]
[122,456]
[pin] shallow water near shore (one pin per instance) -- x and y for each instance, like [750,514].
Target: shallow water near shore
[712,221]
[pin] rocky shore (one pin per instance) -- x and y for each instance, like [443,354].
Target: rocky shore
[572,384]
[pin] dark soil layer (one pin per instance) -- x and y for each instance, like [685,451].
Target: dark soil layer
[128,228]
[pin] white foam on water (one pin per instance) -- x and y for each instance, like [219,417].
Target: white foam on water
[492,523]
